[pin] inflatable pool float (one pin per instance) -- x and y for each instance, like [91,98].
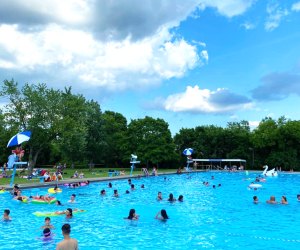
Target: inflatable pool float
[2,191]
[39,201]
[51,214]
[255,185]
[52,191]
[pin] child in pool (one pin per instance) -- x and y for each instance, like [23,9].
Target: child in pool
[47,223]
[6,216]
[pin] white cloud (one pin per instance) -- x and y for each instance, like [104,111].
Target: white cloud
[198,100]
[296,6]
[229,8]
[106,64]
[248,26]
[275,16]
[84,42]
[254,124]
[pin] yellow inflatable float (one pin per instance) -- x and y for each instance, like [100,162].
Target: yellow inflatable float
[54,191]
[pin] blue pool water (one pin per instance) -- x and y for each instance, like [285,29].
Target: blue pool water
[221,218]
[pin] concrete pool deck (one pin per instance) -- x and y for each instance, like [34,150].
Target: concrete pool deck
[109,178]
[93,179]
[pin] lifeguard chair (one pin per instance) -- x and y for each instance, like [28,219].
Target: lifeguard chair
[133,161]
[13,163]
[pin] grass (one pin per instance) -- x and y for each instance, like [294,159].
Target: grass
[94,173]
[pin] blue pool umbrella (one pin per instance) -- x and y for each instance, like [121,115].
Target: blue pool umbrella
[19,138]
[188,151]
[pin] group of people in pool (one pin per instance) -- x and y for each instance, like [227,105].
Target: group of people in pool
[272,200]
[161,215]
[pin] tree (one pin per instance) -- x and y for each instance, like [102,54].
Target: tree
[151,140]
[33,108]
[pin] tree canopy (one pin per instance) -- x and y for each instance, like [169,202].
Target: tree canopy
[68,128]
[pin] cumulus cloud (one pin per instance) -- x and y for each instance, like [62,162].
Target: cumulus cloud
[248,26]
[275,16]
[229,8]
[296,6]
[196,100]
[277,86]
[254,124]
[110,44]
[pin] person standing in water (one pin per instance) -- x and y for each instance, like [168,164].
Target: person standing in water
[67,243]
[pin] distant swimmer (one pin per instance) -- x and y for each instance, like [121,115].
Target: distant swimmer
[132,215]
[255,200]
[284,200]
[272,200]
[162,215]
[298,197]
[6,216]
[180,198]
[171,198]
[159,196]
[72,199]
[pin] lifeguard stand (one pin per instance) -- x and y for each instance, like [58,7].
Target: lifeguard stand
[13,163]
[189,160]
[133,161]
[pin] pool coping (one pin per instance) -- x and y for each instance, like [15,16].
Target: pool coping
[93,179]
[110,178]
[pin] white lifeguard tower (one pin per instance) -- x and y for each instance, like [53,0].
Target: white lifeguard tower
[133,161]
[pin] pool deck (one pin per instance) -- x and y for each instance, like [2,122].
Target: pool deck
[93,179]
[100,179]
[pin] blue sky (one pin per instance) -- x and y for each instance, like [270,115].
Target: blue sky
[196,62]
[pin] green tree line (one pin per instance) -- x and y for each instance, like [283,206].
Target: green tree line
[67,127]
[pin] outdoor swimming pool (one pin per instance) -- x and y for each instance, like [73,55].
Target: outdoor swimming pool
[221,218]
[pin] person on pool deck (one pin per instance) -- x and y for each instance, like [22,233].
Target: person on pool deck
[67,243]
[72,198]
[255,200]
[272,200]
[162,215]
[6,216]
[132,215]
[284,200]
[171,198]
[159,196]
[47,223]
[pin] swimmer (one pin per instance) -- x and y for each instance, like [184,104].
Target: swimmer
[72,198]
[132,187]
[162,215]
[47,234]
[255,200]
[6,216]
[67,242]
[159,196]
[214,186]
[132,215]
[109,185]
[58,203]
[284,200]
[298,197]
[116,193]
[272,200]
[180,198]
[129,181]
[127,192]
[142,186]
[171,198]
[47,223]
[102,192]
[68,212]
[212,177]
